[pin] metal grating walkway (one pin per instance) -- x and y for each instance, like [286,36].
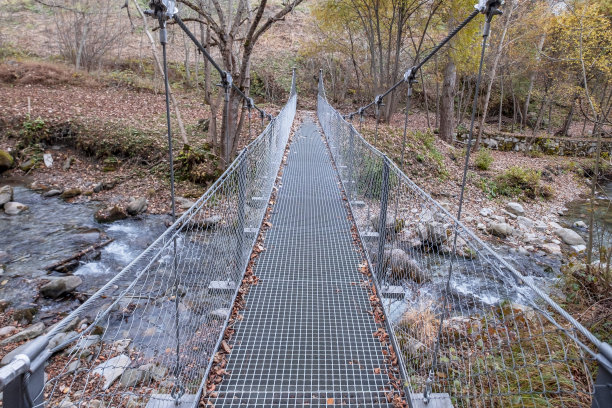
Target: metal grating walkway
[307,337]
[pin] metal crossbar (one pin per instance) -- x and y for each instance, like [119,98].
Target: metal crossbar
[502,340]
[306,337]
[128,355]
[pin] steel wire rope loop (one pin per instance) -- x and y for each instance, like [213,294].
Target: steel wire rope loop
[437,48]
[409,78]
[490,11]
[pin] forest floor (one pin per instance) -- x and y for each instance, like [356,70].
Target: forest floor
[121,140]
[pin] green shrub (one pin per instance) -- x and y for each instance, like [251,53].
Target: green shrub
[483,159]
[518,180]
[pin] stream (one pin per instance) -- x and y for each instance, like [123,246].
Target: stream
[52,230]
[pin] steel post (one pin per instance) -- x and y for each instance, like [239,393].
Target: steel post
[382,219]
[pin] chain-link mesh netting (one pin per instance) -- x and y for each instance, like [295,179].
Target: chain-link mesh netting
[158,323]
[469,325]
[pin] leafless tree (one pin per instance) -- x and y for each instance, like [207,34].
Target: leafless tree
[235,28]
[86,29]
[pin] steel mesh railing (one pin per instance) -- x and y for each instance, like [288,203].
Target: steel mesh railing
[470,327]
[156,326]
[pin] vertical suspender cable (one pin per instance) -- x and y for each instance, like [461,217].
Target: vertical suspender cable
[491,12]
[177,390]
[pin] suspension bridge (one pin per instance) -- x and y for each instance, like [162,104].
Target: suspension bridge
[314,272]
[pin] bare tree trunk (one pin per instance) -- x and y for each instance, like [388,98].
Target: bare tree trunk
[426,100]
[501,102]
[498,53]
[568,119]
[532,79]
[461,96]
[437,94]
[447,111]
[187,67]
[81,45]
[177,112]
[550,105]
[513,108]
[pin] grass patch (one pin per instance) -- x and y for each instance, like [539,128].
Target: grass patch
[516,182]
[484,159]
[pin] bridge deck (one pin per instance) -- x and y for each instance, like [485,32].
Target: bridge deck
[307,337]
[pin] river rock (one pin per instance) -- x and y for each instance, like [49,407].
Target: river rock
[132,376]
[110,214]
[552,248]
[70,193]
[392,226]
[87,341]
[500,229]
[526,312]
[524,222]
[509,214]
[137,206]
[14,208]
[26,334]
[6,195]
[52,193]
[403,266]
[570,237]
[208,222]
[6,330]
[184,203]
[515,208]
[68,163]
[6,160]
[579,248]
[27,165]
[578,224]
[157,372]
[554,226]
[60,286]
[112,369]
[48,160]
[433,232]
[539,226]
[498,218]
[486,212]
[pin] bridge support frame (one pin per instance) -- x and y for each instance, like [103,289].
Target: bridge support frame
[241,211]
[603,384]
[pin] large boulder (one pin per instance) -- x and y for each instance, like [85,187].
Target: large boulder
[26,334]
[500,229]
[70,193]
[403,266]
[6,160]
[570,237]
[515,208]
[392,226]
[110,214]
[433,232]
[27,165]
[6,194]
[14,208]
[60,286]
[137,206]
[552,248]
[112,369]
